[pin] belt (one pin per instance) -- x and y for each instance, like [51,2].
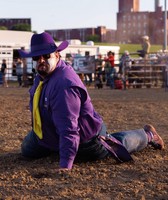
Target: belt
[115,148]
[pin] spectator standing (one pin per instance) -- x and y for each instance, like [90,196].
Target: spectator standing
[110,58]
[110,69]
[98,66]
[24,77]
[4,71]
[145,46]
[24,73]
[124,66]
[19,71]
[125,62]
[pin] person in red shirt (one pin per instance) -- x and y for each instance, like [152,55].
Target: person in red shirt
[109,69]
[110,58]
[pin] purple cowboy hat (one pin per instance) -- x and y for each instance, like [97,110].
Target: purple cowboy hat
[42,44]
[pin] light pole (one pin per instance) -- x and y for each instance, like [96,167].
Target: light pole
[165,27]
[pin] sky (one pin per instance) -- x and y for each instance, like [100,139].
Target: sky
[65,14]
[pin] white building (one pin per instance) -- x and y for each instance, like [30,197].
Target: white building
[11,40]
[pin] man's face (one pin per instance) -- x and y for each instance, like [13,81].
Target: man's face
[45,64]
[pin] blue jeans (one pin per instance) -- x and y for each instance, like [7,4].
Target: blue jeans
[132,140]
[31,148]
[19,79]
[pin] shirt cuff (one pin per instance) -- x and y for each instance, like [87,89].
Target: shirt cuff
[64,163]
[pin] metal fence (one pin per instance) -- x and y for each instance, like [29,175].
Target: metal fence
[142,73]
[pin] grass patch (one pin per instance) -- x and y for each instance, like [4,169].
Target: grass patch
[132,48]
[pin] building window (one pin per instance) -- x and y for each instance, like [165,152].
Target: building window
[145,25]
[124,18]
[82,34]
[67,34]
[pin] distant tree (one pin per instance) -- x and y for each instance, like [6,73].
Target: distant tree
[21,27]
[3,28]
[94,38]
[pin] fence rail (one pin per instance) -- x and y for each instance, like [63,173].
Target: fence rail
[149,75]
[141,74]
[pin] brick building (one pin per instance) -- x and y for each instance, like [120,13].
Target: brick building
[104,34]
[10,22]
[133,24]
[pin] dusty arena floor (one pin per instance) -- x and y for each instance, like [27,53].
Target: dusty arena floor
[144,179]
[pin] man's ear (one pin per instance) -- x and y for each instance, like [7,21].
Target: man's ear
[57,54]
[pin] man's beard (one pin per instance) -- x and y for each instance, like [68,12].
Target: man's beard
[43,69]
[46,68]
[42,73]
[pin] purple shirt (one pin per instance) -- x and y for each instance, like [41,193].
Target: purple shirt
[67,114]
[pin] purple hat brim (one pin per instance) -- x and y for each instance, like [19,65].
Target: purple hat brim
[47,49]
[62,46]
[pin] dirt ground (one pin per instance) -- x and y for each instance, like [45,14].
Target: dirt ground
[144,179]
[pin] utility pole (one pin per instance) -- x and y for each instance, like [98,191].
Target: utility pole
[165,27]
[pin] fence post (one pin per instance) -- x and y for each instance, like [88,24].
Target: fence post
[166,77]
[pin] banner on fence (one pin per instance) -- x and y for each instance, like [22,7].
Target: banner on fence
[84,64]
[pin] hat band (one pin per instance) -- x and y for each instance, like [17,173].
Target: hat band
[50,46]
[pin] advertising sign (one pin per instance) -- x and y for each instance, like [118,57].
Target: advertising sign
[84,64]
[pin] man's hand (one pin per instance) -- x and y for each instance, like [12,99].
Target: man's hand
[63,170]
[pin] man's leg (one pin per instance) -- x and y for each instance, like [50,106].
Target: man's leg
[31,148]
[136,140]
[93,149]
[132,140]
